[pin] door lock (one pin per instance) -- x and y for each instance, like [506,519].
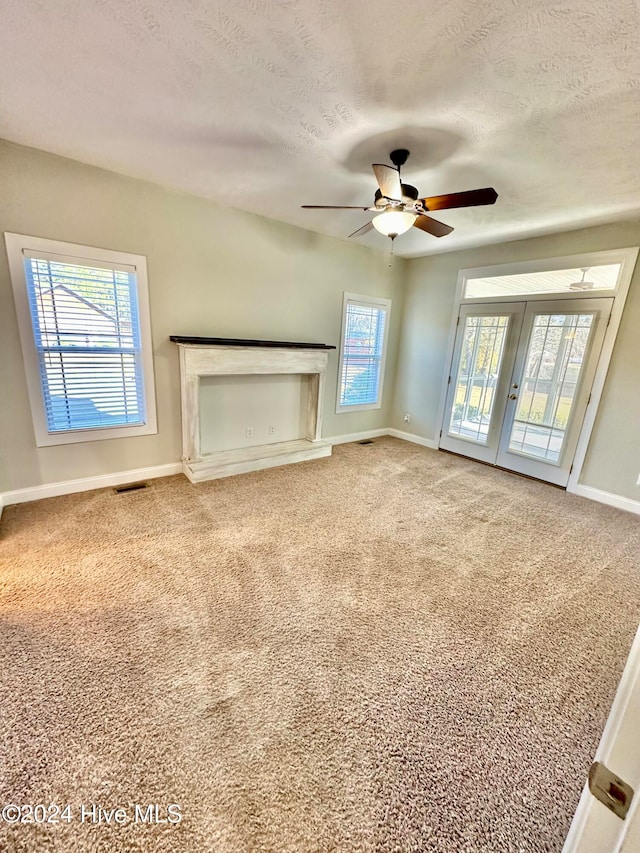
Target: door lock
[515,385]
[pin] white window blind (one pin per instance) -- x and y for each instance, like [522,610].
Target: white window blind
[86,328]
[363,349]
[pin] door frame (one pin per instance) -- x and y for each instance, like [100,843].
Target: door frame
[626,257]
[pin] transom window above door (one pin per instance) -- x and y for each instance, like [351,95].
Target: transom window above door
[597,273]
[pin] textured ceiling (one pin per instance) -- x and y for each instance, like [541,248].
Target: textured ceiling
[269,104]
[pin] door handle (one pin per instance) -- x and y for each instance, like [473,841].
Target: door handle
[513,396]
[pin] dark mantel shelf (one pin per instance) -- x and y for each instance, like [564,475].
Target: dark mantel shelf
[243,342]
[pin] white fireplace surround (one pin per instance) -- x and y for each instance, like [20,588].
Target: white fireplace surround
[221,357]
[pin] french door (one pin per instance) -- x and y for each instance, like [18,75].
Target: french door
[520,382]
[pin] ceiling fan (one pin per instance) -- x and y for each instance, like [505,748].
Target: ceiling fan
[582,284]
[398,207]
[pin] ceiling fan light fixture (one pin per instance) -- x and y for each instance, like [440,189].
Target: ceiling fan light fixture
[393,222]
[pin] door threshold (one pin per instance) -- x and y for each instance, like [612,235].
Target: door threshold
[500,468]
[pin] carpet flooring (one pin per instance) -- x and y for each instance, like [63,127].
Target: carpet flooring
[391,649]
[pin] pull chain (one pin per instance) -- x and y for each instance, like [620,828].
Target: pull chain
[393,237]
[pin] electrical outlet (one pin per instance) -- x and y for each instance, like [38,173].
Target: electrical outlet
[272,429]
[638,480]
[407,418]
[249,432]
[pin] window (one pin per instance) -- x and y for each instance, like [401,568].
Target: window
[578,275]
[365,324]
[84,327]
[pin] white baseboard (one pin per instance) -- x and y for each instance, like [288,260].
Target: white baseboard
[355,436]
[378,433]
[67,487]
[609,498]
[414,439]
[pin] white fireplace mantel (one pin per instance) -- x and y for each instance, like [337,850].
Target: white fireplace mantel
[229,356]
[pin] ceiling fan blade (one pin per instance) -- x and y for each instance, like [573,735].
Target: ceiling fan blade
[470,198]
[432,226]
[363,230]
[388,180]
[333,207]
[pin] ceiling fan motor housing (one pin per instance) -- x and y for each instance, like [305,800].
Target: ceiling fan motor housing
[409,197]
[409,192]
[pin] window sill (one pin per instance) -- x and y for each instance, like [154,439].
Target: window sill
[51,439]
[358,407]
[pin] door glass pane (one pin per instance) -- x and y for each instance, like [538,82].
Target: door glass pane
[555,356]
[480,357]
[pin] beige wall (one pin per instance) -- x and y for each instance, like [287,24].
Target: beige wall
[212,271]
[613,458]
[223,272]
